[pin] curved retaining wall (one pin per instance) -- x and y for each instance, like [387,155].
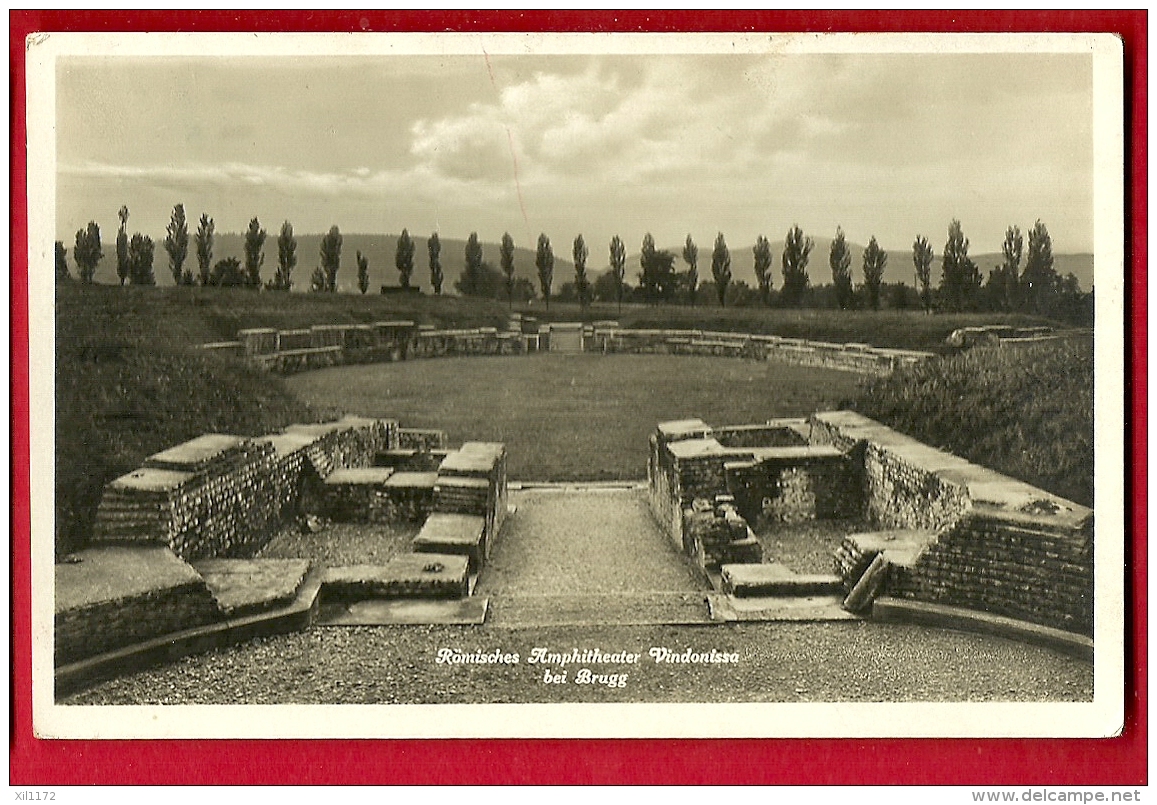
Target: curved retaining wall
[289,351]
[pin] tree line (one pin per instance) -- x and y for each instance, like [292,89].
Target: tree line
[1035,288]
[135,257]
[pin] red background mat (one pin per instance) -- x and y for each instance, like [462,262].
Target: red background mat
[1114,761]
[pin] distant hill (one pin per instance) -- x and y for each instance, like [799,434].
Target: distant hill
[378,249]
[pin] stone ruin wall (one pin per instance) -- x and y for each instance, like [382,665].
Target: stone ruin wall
[1007,565]
[795,490]
[694,462]
[305,349]
[83,631]
[424,439]
[995,544]
[663,491]
[1014,550]
[226,496]
[232,505]
[896,493]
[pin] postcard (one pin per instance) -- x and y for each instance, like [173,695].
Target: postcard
[542,385]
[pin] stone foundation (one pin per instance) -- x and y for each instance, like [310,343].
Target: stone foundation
[226,496]
[787,483]
[221,495]
[475,461]
[410,575]
[421,439]
[794,484]
[1007,564]
[951,533]
[716,534]
[357,495]
[409,495]
[458,534]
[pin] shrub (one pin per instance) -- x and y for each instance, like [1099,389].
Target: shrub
[228,273]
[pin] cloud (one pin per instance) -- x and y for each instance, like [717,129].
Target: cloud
[597,124]
[357,182]
[747,144]
[471,147]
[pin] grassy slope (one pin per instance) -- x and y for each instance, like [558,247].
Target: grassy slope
[1027,412]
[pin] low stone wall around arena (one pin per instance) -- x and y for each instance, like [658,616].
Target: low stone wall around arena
[860,358]
[290,351]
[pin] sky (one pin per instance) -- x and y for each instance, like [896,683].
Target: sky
[884,145]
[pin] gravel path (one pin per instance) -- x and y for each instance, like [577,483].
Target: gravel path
[583,541]
[338,544]
[778,662]
[588,556]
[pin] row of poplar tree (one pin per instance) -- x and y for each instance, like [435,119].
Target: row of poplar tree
[135,256]
[1036,288]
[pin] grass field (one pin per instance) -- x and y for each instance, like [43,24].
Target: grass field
[579,417]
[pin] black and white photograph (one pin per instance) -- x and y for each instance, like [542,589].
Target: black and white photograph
[577,385]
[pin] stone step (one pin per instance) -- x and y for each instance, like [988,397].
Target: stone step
[461,534]
[398,611]
[246,586]
[816,608]
[594,609]
[773,579]
[359,476]
[410,575]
